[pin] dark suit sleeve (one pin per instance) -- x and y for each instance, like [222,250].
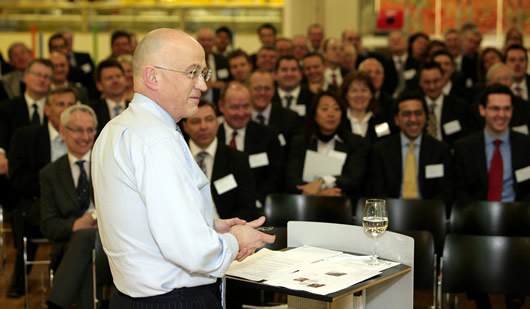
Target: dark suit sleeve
[4,127]
[463,182]
[246,188]
[295,164]
[353,172]
[24,177]
[53,225]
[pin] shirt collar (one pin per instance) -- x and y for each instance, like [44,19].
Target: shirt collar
[211,149]
[229,130]
[365,119]
[439,101]
[112,103]
[73,159]
[266,113]
[30,100]
[295,92]
[505,138]
[52,132]
[146,103]
[405,140]
[447,88]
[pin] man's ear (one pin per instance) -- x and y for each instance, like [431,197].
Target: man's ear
[150,78]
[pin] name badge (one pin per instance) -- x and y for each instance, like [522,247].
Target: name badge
[222,73]
[225,184]
[382,129]
[86,68]
[521,129]
[338,155]
[281,138]
[258,160]
[522,174]
[452,127]
[409,74]
[434,171]
[299,109]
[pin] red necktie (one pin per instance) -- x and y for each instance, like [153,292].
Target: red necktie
[495,175]
[233,140]
[334,80]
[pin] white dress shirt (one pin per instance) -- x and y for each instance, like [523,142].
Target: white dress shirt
[328,76]
[154,206]
[57,145]
[294,93]
[266,113]
[359,127]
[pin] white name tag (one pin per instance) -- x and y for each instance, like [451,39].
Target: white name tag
[452,127]
[86,68]
[338,155]
[299,109]
[382,129]
[434,171]
[522,174]
[225,184]
[222,73]
[281,139]
[409,74]
[521,129]
[258,160]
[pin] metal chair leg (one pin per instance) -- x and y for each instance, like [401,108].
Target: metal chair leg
[26,288]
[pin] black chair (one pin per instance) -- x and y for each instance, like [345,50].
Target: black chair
[490,218]
[282,208]
[101,274]
[28,264]
[413,215]
[486,264]
[425,262]
[281,239]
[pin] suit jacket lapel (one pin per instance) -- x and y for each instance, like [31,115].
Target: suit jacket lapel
[479,152]
[67,181]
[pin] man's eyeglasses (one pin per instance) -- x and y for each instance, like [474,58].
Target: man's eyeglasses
[205,74]
[80,131]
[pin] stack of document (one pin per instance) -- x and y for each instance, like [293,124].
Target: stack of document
[315,270]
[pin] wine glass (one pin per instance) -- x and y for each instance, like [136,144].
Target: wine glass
[375,222]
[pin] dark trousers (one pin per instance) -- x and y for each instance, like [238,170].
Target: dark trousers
[200,297]
[73,279]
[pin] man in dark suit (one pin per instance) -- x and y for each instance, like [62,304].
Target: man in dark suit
[473,155]
[412,164]
[28,108]
[217,63]
[291,94]
[516,58]
[471,39]
[447,116]
[240,65]
[332,52]
[19,58]
[494,164]
[81,62]
[68,216]
[33,147]
[61,76]
[110,80]
[313,69]
[354,38]
[453,81]
[233,189]
[400,67]
[259,142]
[284,121]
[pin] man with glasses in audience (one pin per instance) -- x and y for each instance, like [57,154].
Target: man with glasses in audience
[68,214]
[153,201]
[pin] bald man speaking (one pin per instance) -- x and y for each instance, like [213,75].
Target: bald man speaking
[154,204]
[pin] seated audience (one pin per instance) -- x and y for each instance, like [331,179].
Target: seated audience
[326,133]
[61,74]
[227,169]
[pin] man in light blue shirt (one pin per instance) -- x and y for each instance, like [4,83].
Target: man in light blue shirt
[154,203]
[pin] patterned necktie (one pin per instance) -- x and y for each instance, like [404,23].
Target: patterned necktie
[233,140]
[495,174]
[200,157]
[334,80]
[288,100]
[83,189]
[432,123]
[261,119]
[35,119]
[117,110]
[518,91]
[410,184]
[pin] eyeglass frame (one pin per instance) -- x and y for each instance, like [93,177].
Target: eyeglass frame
[80,131]
[206,76]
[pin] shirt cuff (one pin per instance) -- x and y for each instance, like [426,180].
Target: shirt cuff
[329,182]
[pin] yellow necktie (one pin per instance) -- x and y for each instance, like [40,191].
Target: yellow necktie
[410,185]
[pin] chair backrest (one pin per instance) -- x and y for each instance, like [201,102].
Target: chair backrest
[282,208]
[414,215]
[424,260]
[486,264]
[490,218]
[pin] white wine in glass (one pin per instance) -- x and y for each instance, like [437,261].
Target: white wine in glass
[375,222]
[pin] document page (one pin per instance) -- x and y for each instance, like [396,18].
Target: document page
[318,165]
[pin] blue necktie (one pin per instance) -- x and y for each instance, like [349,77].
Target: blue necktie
[83,187]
